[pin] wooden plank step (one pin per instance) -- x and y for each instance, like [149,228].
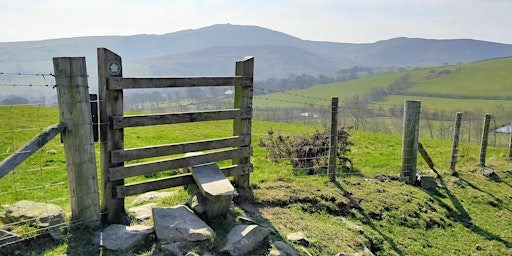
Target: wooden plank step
[211,181]
[215,187]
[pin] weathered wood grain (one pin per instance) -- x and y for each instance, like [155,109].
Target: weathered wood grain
[119,83]
[121,155]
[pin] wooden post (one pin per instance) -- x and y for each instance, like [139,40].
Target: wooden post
[485,138]
[75,111]
[455,146]
[510,142]
[410,139]
[333,147]
[243,100]
[111,104]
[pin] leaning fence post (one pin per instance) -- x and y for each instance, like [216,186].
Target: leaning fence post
[485,138]
[410,139]
[455,146]
[75,111]
[333,146]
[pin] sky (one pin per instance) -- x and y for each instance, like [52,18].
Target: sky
[346,21]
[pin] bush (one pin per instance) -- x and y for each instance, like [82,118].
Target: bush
[307,152]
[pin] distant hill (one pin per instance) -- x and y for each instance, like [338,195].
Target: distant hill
[213,50]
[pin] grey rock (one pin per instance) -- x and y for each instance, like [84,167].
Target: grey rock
[298,237]
[243,239]
[40,215]
[196,203]
[490,174]
[142,212]
[151,196]
[352,225]
[124,238]
[173,249]
[428,182]
[179,223]
[276,253]
[282,246]
[7,237]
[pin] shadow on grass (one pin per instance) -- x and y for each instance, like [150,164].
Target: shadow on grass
[461,215]
[246,201]
[497,202]
[368,219]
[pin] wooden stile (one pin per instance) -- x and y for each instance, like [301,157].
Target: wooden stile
[113,121]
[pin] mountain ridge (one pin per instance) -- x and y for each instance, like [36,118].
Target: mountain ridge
[212,50]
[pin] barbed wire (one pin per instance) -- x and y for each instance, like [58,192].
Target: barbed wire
[26,74]
[293,94]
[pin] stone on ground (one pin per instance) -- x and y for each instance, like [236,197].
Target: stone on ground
[282,246]
[123,238]
[40,215]
[243,239]
[151,196]
[180,224]
[298,237]
[142,212]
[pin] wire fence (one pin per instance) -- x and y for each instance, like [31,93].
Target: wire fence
[35,195]
[43,177]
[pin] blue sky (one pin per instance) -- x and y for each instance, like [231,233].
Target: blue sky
[350,21]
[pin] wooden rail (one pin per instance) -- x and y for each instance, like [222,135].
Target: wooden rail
[237,148]
[30,148]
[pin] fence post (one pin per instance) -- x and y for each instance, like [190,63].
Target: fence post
[111,104]
[243,100]
[410,139]
[455,146]
[510,142]
[75,111]
[333,147]
[485,138]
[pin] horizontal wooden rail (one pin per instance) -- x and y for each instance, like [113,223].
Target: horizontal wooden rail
[120,83]
[174,181]
[123,172]
[118,156]
[120,122]
[30,148]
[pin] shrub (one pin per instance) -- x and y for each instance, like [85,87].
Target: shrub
[307,152]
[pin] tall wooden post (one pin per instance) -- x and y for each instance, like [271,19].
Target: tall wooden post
[485,139]
[75,111]
[410,139]
[333,147]
[111,104]
[243,100]
[455,146]
[510,142]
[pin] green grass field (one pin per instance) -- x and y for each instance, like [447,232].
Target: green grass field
[491,78]
[469,214]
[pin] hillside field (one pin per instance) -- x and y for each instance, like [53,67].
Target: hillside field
[468,214]
[480,85]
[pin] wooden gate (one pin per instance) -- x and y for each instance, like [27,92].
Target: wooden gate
[111,84]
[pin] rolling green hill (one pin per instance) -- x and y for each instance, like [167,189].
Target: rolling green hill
[464,215]
[482,85]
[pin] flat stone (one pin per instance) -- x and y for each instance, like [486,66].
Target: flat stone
[284,247]
[40,215]
[180,224]
[142,212]
[298,237]
[124,238]
[428,182]
[243,239]
[151,196]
